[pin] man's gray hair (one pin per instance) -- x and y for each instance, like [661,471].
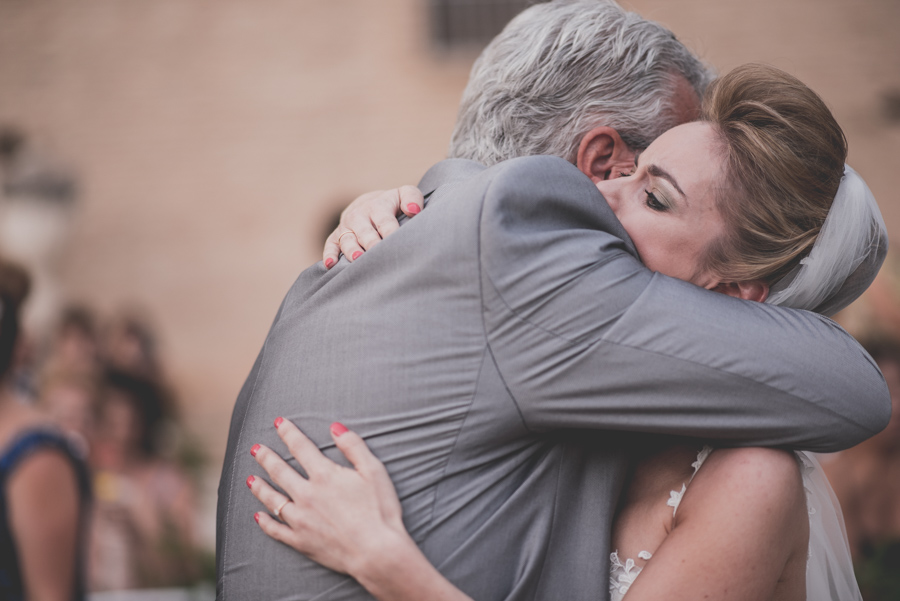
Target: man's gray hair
[562,68]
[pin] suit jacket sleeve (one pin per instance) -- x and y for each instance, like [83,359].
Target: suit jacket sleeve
[586,337]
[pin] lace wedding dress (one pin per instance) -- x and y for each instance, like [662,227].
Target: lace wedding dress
[829,568]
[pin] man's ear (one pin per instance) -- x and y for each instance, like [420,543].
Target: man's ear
[752,290]
[603,155]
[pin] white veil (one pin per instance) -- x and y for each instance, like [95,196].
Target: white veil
[829,568]
[847,255]
[849,251]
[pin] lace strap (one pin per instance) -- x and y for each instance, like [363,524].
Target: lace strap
[674,495]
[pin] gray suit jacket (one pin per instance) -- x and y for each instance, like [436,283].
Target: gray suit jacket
[497,353]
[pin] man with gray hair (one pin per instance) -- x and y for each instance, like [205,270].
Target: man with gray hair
[583,80]
[561,69]
[473,352]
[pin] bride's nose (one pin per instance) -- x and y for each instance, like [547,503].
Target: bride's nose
[611,190]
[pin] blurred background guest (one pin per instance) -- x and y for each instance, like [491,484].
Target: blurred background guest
[44,490]
[130,346]
[70,400]
[74,346]
[143,524]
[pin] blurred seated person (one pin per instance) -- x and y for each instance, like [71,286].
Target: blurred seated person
[866,480]
[44,495]
[144,519]
[70,399]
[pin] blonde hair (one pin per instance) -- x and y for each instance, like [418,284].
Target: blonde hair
[784,158]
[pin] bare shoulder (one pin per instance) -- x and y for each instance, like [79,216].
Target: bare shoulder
[740,532]
[754,471]
[761,464]
[47,475]
[759,483]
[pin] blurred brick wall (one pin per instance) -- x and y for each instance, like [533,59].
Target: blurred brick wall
[213,141]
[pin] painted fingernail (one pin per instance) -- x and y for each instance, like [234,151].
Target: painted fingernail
[337,428]
[329,263]
[278,421]
[250,480]
[256,517]
[357,255]
[413,208]
[254,450]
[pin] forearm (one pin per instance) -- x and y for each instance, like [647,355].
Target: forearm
[586,337]
[399,571]
[783,379]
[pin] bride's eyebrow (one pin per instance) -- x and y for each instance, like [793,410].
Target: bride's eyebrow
[657,171]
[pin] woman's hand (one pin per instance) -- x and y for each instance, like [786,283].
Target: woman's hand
[339,517]
[369,219]
[348,520]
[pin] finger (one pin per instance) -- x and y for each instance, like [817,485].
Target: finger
[349,244]
[266,494]
[279,471]
[277,530]
[385,224]
[302,448]
[354,448]
[383,212]
[332,251]
[411,200]
[371,469]
[360,220]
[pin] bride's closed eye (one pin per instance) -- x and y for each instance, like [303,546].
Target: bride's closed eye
[654,203]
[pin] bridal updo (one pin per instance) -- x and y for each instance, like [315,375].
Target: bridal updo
[784,157]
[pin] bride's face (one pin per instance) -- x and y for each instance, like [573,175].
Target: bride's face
[668,205]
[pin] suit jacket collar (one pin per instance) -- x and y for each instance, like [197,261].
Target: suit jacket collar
[447,172]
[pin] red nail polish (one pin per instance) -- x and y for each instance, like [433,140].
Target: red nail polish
[250,480]
[278,421]
[254,450]
[329,263]
[413,208]
[357,255]
[256,517]
[337,428]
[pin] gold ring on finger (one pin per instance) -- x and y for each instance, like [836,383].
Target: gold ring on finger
[277,512]
[351,232]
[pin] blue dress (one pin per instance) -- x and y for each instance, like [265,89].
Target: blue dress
[26,443]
